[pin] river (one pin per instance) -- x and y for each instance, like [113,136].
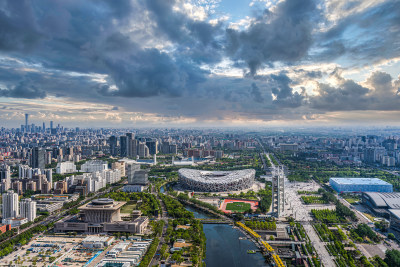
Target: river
[224,249]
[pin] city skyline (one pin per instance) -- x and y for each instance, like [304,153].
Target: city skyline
[200,63]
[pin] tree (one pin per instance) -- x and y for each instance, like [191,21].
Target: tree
[392,257]
[391,236]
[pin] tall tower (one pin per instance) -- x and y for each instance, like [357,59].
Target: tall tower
[10,205]
[278,190]
[26,120]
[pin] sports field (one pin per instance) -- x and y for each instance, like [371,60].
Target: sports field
[238,206]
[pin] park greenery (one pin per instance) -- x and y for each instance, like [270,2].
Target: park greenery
[364,233]
[313,200]
[174,208]
[337,245]
[145,202]
[261,225]
[193,234]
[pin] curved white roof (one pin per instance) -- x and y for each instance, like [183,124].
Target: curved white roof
[215,177]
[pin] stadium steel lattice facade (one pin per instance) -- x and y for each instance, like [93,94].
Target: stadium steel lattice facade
[216,181]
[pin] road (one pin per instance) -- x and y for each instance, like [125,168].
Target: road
[163,216]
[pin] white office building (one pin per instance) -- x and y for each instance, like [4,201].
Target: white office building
[94,166]
[10,205]
[27,209]
[65,167]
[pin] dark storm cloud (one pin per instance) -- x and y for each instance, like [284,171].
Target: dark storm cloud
[369,35]
[282,35]
[18,30]
[115,51]
[196,39]
[150,73]
[23,90]
[255,92]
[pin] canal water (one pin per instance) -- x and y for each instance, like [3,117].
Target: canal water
[224,249]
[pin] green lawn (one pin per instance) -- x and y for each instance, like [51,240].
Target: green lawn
[352,200]
[128,207]
[238,206]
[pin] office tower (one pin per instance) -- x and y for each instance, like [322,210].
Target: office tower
[51,124]
[152,145]
[123,141]
[26,121]
[49,176]
[131,168]
[27,209]
[5,178]
[10,205]
[143,150]
[370,155]
[113,145]
[131,145]
[133,148]
[278,191]
[165,147]
[38,157]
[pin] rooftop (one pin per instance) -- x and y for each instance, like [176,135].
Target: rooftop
[359,181]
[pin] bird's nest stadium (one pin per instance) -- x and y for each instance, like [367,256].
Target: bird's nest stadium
[216,181]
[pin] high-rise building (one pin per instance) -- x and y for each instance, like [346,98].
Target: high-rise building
[131,168]
[26,121]
[123,142]
[10,205]
[51,124]
[119,165]
[143,150]
[370,155]
[27,209]
[133,148]
[5,178]
[49,176]
[152,145]
[113,145]
[38,157]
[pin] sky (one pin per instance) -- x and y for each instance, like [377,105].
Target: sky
[166,63]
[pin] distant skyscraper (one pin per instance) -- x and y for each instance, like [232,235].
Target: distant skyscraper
[123,142]
[28,209]
[51,124]
[26,120]
[113,145]
[10,205]
[44,127]
[38,157]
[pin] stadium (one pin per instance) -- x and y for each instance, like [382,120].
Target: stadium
[216,181]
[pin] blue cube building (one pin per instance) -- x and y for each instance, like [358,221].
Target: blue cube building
[343,185]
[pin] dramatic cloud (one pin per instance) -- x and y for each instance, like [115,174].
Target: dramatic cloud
[283,34]
[189,61]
